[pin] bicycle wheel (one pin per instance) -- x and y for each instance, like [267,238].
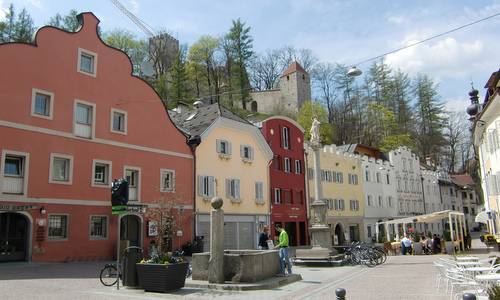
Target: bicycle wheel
[108,275]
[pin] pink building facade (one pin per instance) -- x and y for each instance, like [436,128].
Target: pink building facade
[73,118]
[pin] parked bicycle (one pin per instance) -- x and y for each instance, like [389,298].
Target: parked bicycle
[111,272]
[178,256]
[364,254]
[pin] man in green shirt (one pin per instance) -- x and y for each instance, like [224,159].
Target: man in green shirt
[283,250]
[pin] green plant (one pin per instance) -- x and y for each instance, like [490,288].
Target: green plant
[447,235]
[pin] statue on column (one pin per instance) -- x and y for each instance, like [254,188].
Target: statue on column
[315,139]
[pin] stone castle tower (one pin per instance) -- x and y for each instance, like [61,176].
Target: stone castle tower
[294,89]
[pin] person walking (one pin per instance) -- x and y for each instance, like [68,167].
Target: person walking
[283,250]
[263,237]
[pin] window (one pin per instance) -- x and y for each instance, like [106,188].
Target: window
[277,196]
[339,177]
[369,200]
[61,168]
[399,185]
[101,173]
[389,201]
[259,192]
[58,227]
[339,205]
[367,176]
[14,166]
[287,165]
[118,121]
[369,230]
[285,137]
[464,195]
[132,175]
[84,119]
[167,178]
[298,167]
[354,205]
[387,178]
[277,162]
[353,179]
[286,196]
[206,186]
[404,164]
[246,153]
[87,62]
[98,227]
[233,189]
[380,202]
[223,147]
[299,195]
[378,177]
[466,210]
[42,103]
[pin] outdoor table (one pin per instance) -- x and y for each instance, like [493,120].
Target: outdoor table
[464,258]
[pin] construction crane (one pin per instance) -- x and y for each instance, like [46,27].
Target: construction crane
[148,30]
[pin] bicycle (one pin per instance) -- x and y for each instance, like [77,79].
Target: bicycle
[111,272]
[178,256]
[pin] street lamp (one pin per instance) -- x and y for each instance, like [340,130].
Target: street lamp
[354,72]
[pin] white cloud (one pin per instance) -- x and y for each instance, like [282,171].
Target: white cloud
[445,58]
[397,19]
[456,104]
[35,3]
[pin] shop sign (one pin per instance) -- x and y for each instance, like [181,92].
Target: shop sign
[16,207]
[129,208]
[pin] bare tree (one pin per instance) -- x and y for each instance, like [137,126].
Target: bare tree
[323,76]
[265,70]
[455,134]
[305,57]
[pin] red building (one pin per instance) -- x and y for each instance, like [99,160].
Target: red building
[287,177]
[73,118]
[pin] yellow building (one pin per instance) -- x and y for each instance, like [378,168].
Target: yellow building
[232,162]
[342,188]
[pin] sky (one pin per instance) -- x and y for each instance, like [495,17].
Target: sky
[337,31]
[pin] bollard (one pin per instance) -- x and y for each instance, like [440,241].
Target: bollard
[469,296]
[340,293]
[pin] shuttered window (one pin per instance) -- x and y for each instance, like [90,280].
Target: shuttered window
[259,192]
[206,186]
[233,189]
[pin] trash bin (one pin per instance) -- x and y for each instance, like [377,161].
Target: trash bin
[131,256]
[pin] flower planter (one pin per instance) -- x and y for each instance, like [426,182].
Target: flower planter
[162,278]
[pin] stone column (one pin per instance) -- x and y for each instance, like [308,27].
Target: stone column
[216,261]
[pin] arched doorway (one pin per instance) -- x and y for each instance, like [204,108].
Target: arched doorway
[14,237]
[130,231]
[339,233]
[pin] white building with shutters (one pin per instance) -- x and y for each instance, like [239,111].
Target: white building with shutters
[380,196]
[232,162]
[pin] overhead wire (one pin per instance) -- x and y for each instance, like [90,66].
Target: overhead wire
[427,39]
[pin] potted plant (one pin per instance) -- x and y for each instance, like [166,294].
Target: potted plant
[162,272]
[449,246]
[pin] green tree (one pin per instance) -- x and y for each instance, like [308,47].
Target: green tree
[430,120]
[68,22]
[178,90]
[202,53]
[387,135]
[307,113]
[17,29]
[126,41]
[241,44]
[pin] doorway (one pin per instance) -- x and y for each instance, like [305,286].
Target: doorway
[339,233]
[130,232]
[14,232]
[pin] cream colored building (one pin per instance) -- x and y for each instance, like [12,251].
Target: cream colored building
[232,162]
[342,186]
[486,139]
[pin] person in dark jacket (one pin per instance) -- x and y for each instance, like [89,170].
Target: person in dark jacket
[263,237]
